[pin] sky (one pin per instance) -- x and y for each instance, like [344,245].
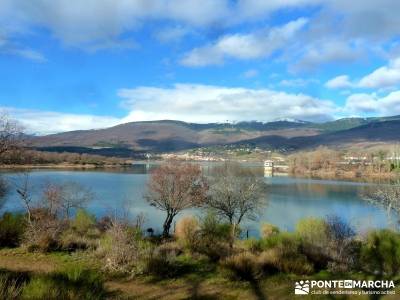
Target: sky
[69,65]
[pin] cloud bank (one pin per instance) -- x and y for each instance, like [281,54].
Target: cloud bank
[199,103]
[186,102]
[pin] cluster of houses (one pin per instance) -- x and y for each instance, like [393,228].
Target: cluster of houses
[190,157]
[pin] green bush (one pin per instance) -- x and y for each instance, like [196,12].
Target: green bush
[43,288]
[83,222]
[283,239]
[286,260]
[283,252]
[312,230]
[71,241]
[211,226]
[315,240]
[12,228]
[380,253]
[243,266]
[252,244]
[213,238]
[81,234]
[74,282]
[83,278]
[328,243]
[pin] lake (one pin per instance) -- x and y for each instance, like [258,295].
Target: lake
[289,199]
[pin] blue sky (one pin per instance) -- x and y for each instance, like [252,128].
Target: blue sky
[67,65]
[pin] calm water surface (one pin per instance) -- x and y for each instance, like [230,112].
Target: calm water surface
[289,199]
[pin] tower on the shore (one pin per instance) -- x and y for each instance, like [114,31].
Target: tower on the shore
[268,168]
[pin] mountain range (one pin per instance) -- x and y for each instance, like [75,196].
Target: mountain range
[168,136]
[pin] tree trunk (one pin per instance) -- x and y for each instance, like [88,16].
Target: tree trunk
[167,225]
[233,233]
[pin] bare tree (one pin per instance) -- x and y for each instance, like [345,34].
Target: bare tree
[61,199]
[10,135]
[236,193]
[24,190]
[174,187]
[52,197]
[387,196]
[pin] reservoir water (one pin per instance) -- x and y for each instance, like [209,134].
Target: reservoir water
[289,199]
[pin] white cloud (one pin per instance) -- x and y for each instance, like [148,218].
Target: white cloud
[205,103]
[313,54]
[362,103]
[93,22]
[172,34]
[257,8]
[195,12]
[250,73]
[367,18]
[244,46]
[345,31]
[200,57]
[386,76]
[342,81]
[9,47]
[46,122]
[29,54]
[101,23]
[24,53]
[185,102]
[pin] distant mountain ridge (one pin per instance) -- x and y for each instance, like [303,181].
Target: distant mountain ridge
[370,133]
[170,135]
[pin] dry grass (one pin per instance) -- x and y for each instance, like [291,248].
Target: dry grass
[178,290]
[20,261]
[186,227]
[268,230]
[192,286]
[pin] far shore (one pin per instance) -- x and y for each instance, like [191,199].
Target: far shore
[64,166]
[349,176]
[318,175]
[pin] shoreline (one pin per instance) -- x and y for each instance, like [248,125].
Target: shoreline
[341,176]
[347,176]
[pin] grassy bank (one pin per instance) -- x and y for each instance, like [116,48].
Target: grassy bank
[36,273]
[92,259]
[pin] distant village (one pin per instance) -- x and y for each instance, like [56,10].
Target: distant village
[223,153]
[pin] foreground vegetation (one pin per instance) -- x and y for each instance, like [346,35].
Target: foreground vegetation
[95,259]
